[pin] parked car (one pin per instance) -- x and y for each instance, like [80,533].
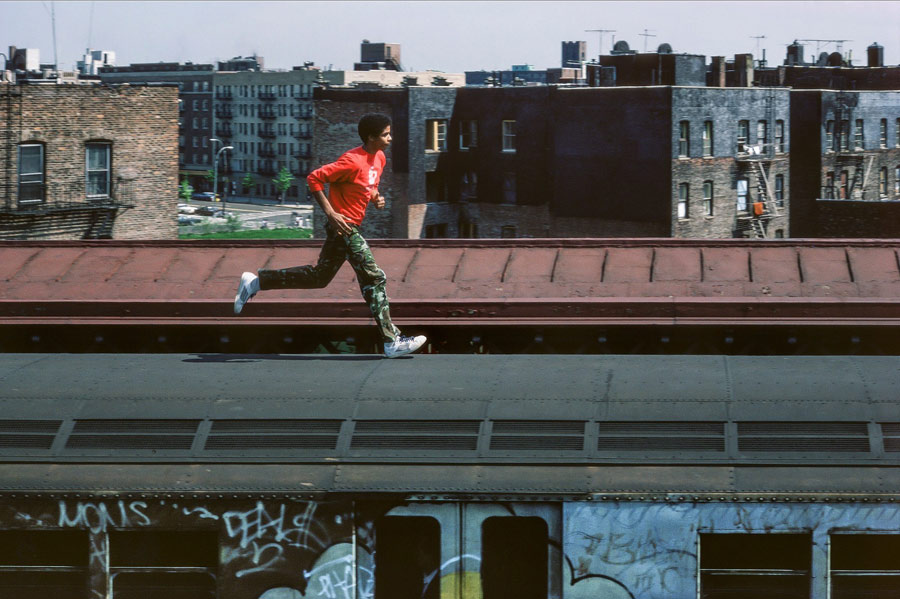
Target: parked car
[207,196]
[184,219]
[186,209]
[206,211]
[222,214]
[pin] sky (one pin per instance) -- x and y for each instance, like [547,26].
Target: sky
[453,37]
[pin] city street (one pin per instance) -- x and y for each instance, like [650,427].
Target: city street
[252,212]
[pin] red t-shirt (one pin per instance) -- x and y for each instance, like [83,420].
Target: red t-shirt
[353,177]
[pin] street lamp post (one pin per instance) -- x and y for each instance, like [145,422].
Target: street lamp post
[216,171]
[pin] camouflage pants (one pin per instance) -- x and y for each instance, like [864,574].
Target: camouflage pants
[335,251]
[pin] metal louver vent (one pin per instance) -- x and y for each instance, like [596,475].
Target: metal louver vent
[132,434]
[829,437]
[890,432]
[273,434]
[661,436]
[534,435]
[28,434]
[406,435]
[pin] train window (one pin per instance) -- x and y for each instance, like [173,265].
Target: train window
[514,558]
[44,563]
[163,564]
[865,565]
[748,566]
[407,558]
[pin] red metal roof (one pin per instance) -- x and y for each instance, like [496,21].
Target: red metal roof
[447,273]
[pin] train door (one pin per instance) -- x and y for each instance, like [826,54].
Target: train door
[469,551]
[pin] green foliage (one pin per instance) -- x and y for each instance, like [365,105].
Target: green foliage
[283,180]
[185,191]
[210,175]
[248,181]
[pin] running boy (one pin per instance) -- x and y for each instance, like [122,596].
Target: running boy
[353,180]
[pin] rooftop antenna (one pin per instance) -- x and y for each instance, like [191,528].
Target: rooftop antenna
[839,44]
[645,35]
[52,11]
[757,38]
[601,32]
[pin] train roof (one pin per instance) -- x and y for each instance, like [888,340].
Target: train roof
[450,424]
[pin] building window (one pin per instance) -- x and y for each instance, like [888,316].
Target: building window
[708,138]
[845,180]
[755,565]
[829,136]
[897,181]
[779,137]
[468,134]
[205,124]
[829,185]
[743,136]
[897,133]
[864,565]
[883,182]
[743,187]
[509,188]
[683,197]
[436,135]
[858,141]
[31,174]
[884,133]
[514,557]
[684,138]
[845,135]
[779,191]
[708,197]
[44,563]
[205,142]
[779,233]
[194,104]
[469,185]
[407,563]
[509,136]
[98,170]
[435,188]
[163,563]
[762,134]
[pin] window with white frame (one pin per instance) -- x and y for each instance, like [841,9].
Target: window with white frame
[31,173]
[708,197]
[845,135]
[98,169]
[468,134]
[883,182]
[829,136]
[859,138]
[509,136]
[436,135]
[743,136]
[684,139]
[743,190]
[762,133]
[708,138]
[779,137]
[683,197]
[883,133]
[779,191]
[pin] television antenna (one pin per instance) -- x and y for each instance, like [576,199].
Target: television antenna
[601,32]
[839,44]
[757,38]
[645,35]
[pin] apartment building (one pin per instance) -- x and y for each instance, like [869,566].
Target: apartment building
[195,110]
[88,161]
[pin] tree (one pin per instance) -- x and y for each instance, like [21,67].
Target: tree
[185,191]
[210,176]
[248,182]
[282,182]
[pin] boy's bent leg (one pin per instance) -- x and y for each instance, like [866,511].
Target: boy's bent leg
[372,282]
[313,276]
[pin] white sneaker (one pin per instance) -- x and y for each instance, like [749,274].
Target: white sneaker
[403,345]
[248,287]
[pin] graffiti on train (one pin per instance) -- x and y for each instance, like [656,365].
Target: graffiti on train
[97,517]
[650,550]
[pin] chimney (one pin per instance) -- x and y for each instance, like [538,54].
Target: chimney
[743,70]
[718,71]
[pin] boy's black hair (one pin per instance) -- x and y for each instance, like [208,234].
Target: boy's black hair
[371,125]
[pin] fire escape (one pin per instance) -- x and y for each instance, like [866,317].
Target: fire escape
[759,160]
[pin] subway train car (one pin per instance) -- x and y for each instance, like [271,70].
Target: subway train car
[137,476]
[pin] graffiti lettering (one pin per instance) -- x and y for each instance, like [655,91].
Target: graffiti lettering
[97,517]
[257,556]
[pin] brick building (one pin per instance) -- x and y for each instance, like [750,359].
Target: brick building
[88,161]
[553,161]
[847,156]
[194,83]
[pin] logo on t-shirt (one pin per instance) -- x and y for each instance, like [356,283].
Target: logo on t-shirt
[373,175]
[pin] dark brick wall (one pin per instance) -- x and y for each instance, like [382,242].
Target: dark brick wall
[857,219]
[140,122]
